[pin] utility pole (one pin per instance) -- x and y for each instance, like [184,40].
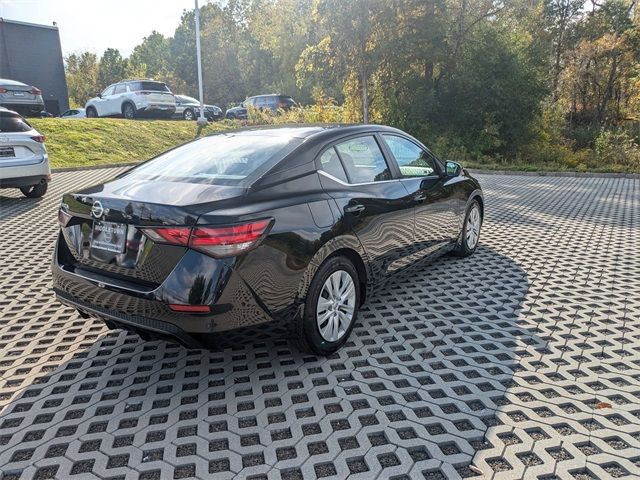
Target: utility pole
[202,121]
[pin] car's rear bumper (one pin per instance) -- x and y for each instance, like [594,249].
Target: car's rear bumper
[159,109]
[23,181]
[234,306]
[32,106]
[30,173]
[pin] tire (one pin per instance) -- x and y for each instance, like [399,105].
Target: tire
[188,114]
[128,111]
[468,241]
[35,191]
[92,113]
[325,327]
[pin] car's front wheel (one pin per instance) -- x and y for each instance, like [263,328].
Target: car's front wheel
[92,113]
[188,114]
[331,307]
[470,232]
[34,191]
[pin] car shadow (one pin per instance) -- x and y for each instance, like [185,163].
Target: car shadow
[415,389]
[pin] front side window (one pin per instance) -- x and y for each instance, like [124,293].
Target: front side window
[108,91]
[412,160]
[363,160]
[330,163]
[120,88]
[224,159]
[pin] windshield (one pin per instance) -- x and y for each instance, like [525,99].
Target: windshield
[225,159]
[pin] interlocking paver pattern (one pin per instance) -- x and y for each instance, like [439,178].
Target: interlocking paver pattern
[522,361]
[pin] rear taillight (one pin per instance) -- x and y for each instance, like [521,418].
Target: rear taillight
[190,308]
[35,91]
[170,235]
[39,138]
[216,241]
[3,90]
[64,218]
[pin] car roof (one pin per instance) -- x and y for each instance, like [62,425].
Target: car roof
[305,131]
[6,81]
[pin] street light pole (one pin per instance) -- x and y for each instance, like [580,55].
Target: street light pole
[202,121]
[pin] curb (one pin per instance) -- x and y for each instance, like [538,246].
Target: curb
[93,167]
[635,176]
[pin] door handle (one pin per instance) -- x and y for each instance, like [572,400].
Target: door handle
[420,197]
[357,208]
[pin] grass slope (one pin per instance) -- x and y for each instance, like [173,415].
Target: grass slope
[74,143]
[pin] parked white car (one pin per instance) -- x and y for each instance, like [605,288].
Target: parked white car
[74,113]
[133,98]
[24,162]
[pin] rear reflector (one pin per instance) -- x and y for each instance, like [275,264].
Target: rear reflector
[215,241]
[190,308]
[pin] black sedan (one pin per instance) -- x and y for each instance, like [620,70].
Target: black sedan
[188,108]
[261,232]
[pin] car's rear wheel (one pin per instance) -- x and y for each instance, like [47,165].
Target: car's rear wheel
[128,111]
[331,307]
[34,191]
[470,232]
[188,114]
[92,113]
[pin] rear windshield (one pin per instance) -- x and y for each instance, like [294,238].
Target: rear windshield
[149,86]
[225,159]
[286,101]
[11,122]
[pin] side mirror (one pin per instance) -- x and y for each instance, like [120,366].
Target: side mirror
[453,168]
[99,95]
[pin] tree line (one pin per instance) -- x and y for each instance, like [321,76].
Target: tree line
[555,81]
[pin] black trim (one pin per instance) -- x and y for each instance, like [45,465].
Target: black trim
[23,181]
[133,323]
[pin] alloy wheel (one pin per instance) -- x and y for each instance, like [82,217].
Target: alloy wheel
[336,306]
[188,115]
[473,227]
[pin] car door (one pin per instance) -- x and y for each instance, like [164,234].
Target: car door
[115,100]
[375,204]
[102,102]
[432,196]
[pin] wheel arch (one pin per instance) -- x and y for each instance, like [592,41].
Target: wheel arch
[347,246]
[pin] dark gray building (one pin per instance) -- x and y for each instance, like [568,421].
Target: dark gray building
[32,54]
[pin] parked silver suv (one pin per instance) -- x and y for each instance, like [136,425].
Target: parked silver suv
[133,98]
[24,162]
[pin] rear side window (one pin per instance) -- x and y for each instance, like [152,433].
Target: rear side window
[149,86]
[363,160]
[330,163]
[412,160]
[218,160]
[12,123]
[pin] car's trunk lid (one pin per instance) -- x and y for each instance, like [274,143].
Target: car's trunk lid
[104,235]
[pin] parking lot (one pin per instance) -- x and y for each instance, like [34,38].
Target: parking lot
[520,361]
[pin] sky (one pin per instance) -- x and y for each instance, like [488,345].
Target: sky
[96,25]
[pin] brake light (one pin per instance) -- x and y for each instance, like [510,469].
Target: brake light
[35,91]
[215,241]
[39,138]
[64,218]
[170,235]
[3,90]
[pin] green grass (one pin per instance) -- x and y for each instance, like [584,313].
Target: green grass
[75,143]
